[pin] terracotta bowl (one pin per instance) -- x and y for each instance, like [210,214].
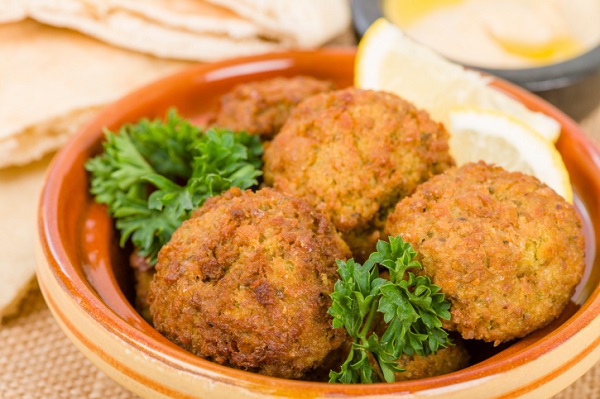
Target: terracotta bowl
[86,281]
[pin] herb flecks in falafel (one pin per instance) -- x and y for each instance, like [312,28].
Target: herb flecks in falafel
[507,250]
[245,281]
[262,107]
[353,154]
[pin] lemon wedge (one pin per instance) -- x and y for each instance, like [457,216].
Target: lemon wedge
[505,141]
[388,60]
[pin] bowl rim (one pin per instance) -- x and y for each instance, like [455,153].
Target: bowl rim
[74,284]
[536,79]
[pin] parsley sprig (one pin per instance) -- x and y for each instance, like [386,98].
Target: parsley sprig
[154,173]
[412,307]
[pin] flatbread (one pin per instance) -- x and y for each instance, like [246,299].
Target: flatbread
[51,81]
[191,15]
[54,79]
[20,188]
[304,24]
[199,30]
[121,26]
[12,11]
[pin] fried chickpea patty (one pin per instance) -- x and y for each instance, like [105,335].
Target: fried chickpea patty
[505,248]
[353,154]
[444,361]
[262,107]
[246,281]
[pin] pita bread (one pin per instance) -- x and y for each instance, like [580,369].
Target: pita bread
[53,79]
[305,24]
[18,204]
[12,11]
[123,29]
[191,15]
[199,30]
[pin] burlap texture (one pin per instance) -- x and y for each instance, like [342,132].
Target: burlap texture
[38,361]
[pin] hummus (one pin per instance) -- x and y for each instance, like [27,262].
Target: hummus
[500,33]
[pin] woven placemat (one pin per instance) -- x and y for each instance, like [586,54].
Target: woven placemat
[38,361]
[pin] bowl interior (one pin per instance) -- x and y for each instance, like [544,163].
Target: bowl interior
[95,270]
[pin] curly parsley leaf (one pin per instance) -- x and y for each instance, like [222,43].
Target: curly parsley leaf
[153,174]
[166,145]
[412,307]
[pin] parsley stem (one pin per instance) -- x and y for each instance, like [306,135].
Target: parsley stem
[367,326]
[411,308]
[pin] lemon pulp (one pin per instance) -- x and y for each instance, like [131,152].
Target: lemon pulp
[505,141]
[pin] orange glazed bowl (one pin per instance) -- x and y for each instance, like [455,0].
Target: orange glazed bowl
[86,281]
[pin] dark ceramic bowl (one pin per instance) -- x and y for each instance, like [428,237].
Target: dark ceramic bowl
[572,85]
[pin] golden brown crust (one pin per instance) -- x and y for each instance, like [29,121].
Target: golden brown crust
[353,154]
[143,272]
[446,360]
[506,249]
[262,107]
[246,281]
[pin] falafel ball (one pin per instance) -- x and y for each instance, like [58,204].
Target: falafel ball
[506,250]
[262,107]
[245,282]
[143,273]
[353,154]
[446,360]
